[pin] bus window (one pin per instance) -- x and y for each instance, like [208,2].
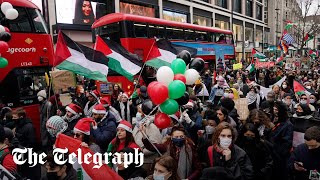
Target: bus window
[221,38]
[21,24]
[156,31]
[38,21]
[111,31]
[140,30]
[212,37]
[229,39]
[201,36]
[190,35]
[175,33]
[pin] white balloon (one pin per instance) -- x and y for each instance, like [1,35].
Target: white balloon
[165,75]
[5,6]
[12,14]
[191,76]
[2,29]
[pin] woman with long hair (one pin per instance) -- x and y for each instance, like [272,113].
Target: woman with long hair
[83,13]
[232,161]
[182,150]
[124,138]
[258,151]
[261,121]
[165,167]
[223,116]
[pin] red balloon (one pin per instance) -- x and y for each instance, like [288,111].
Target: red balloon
[180,77]
[151,85]
[3,47]
[162,120]
[158,93]
[7,29]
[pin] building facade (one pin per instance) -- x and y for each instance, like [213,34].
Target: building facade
[248,19]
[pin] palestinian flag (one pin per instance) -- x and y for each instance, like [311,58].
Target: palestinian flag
[299,88]
[85,171]
[308,37]
[250,68]
[279,59]
[80,59]
[289,25]
[312,54]
[163,52]
[257,54]
[120,60]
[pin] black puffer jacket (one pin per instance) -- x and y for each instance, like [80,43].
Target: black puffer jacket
[25,133]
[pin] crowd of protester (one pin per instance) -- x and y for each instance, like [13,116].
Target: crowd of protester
[206,139]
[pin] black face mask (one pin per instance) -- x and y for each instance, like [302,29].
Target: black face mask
[98,120]
[249,140]
[299,113]
[52,175]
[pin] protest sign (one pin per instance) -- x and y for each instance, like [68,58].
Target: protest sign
[242,108]
[62,80]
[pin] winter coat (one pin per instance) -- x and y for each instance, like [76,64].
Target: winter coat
[71,175]
[239,166]
[46,111]
[105,131]
[260,157]
[300,125]
[155,137]
[309,158]
[25,133]
[7,161]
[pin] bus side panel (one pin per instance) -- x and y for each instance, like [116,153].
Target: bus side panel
[33,112]
[139,46]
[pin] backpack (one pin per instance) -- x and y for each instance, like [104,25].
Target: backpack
[15,174]
[210,155]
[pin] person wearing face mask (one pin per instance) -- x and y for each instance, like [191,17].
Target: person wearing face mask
[46,111]
[191,120]
[232,160]
[281,136]
[56,125]
[313,101]
[106,127]
[182,150]
[165,168]
[287,99]
[285,89]
[258,152]
[56,171]
[267,106]
[218,90]
[146,122]
[262,123]
[305,159]
[304,99]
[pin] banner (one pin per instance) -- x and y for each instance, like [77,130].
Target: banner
[259,64]
[62,80]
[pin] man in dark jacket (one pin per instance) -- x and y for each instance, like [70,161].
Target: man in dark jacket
[305,159]
[24,129]
[106,129]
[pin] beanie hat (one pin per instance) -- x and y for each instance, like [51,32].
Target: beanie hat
[105,101]
[42,93]
[99,109]
[95,94]
[83,125]
[74,109]
[56,125]
[227,103]
[125,125]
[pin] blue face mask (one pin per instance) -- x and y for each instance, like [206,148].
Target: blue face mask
[158,177]
[179,142]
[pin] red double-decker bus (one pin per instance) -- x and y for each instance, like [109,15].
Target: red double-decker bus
[30,56]
[137,34]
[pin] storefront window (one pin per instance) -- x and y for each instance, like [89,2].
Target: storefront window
[128,8]
[222,24]
[202,21]
[238,32]
[249,34]
[174,16]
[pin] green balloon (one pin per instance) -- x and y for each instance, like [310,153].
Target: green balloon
[178,66]
[169,107]
[176,89]
[3,62]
